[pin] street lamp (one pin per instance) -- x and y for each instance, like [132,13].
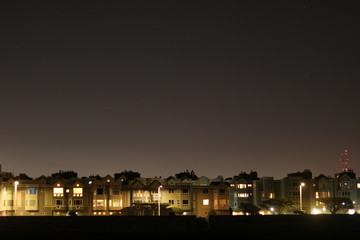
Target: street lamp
[301,200]
[16,183]
[159,197]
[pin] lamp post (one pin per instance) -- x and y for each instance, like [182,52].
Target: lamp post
[121,195]
[159,198]
[301,200]
[16,183]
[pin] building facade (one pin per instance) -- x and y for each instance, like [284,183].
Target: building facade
[65,193]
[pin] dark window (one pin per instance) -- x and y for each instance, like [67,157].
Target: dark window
[77,202]
[99,191]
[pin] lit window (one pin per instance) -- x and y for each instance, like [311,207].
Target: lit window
[222,202]
[77,192]
[58,192]
[241,186]
[243,195]
[32,191]
[358,185]
[205,202]
[116,203]
[99,203]
[32,203]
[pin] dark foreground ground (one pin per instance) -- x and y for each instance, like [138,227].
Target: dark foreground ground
[256,227]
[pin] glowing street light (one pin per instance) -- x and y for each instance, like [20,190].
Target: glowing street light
[159,197]
[16,183]
[272,210]
[301,200]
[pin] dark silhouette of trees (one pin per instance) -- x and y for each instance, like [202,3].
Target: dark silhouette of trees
[276,206]
[65,174]
[336,204]
[186,174]
[249,208]
[129,175]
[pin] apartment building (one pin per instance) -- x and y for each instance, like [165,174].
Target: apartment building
[64,193]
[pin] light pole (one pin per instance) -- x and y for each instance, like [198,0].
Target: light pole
[159,198]
[301,200]
[121,195]
[16,183]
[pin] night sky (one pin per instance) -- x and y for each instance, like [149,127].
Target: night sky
[219,87]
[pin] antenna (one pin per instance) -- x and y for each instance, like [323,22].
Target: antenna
[344,160]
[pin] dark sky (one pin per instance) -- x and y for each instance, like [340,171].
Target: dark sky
[219,87]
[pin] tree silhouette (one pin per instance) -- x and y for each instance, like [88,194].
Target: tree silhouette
[276,206]
[186,174]
[249,208]
[336,204]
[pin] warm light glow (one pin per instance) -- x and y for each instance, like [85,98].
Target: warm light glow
[99,203]
[302,184]
[315,211]
[16,183]
[58,192]
[77,192]
[206,202]
[352,211]
[243,195]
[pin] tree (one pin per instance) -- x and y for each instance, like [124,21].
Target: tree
[276,206]
[250,208]
[336,204]
[186,174]
[129,175]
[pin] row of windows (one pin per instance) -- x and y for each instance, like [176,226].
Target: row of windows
[74,202]
[241,185]
[59,192]
[112,203]
[205,202]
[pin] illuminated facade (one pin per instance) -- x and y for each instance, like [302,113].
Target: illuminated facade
[58,196]
[64,193]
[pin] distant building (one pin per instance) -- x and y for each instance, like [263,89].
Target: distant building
[127,193]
